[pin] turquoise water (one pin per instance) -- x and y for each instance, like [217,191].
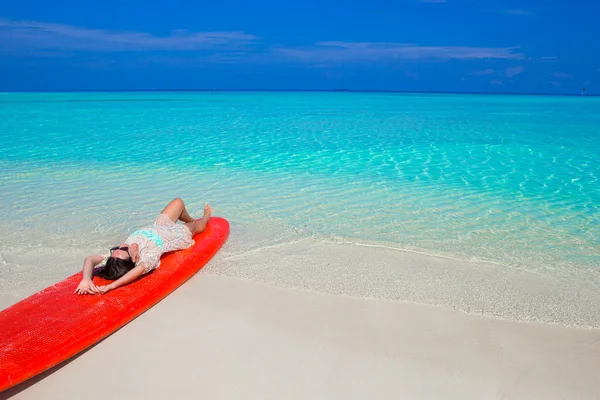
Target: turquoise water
[512,180]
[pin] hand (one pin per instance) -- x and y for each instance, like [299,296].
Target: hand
[101,289]
[85,287]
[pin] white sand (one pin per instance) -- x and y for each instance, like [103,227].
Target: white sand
[222,338]
[569,297]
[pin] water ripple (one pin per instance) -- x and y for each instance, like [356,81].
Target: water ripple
[511,180]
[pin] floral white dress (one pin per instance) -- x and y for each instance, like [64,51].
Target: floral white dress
[162,237]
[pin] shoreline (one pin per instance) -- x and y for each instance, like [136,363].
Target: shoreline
[230,338]
[365,271]
[286,259]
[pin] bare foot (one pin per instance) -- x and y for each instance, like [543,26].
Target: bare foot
[207,212]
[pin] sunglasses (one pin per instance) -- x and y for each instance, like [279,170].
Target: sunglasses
[124,248]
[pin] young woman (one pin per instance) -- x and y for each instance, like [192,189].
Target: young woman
[141,251]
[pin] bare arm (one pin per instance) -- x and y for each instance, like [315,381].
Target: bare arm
[129,277]
[89,264]
[86,285]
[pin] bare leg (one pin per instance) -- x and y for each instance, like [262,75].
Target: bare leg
[199,225]
[175,210]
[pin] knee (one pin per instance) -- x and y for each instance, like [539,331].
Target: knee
[177,201]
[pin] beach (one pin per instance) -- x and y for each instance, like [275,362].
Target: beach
[227,338]
[229,335]
[381,245]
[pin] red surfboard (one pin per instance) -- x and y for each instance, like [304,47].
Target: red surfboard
[55,324]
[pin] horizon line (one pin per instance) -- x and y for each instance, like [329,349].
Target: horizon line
[299,90]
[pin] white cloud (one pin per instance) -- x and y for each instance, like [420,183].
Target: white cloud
[338,52]
[31,35]
[513,71]
[34,39]
[496,82]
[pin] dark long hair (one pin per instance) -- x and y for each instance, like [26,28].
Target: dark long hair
[115,268]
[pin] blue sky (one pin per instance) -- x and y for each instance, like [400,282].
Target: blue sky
[453,45]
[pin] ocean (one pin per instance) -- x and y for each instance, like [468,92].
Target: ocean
[488,204]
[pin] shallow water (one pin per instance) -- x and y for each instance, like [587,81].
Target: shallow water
[502,183]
